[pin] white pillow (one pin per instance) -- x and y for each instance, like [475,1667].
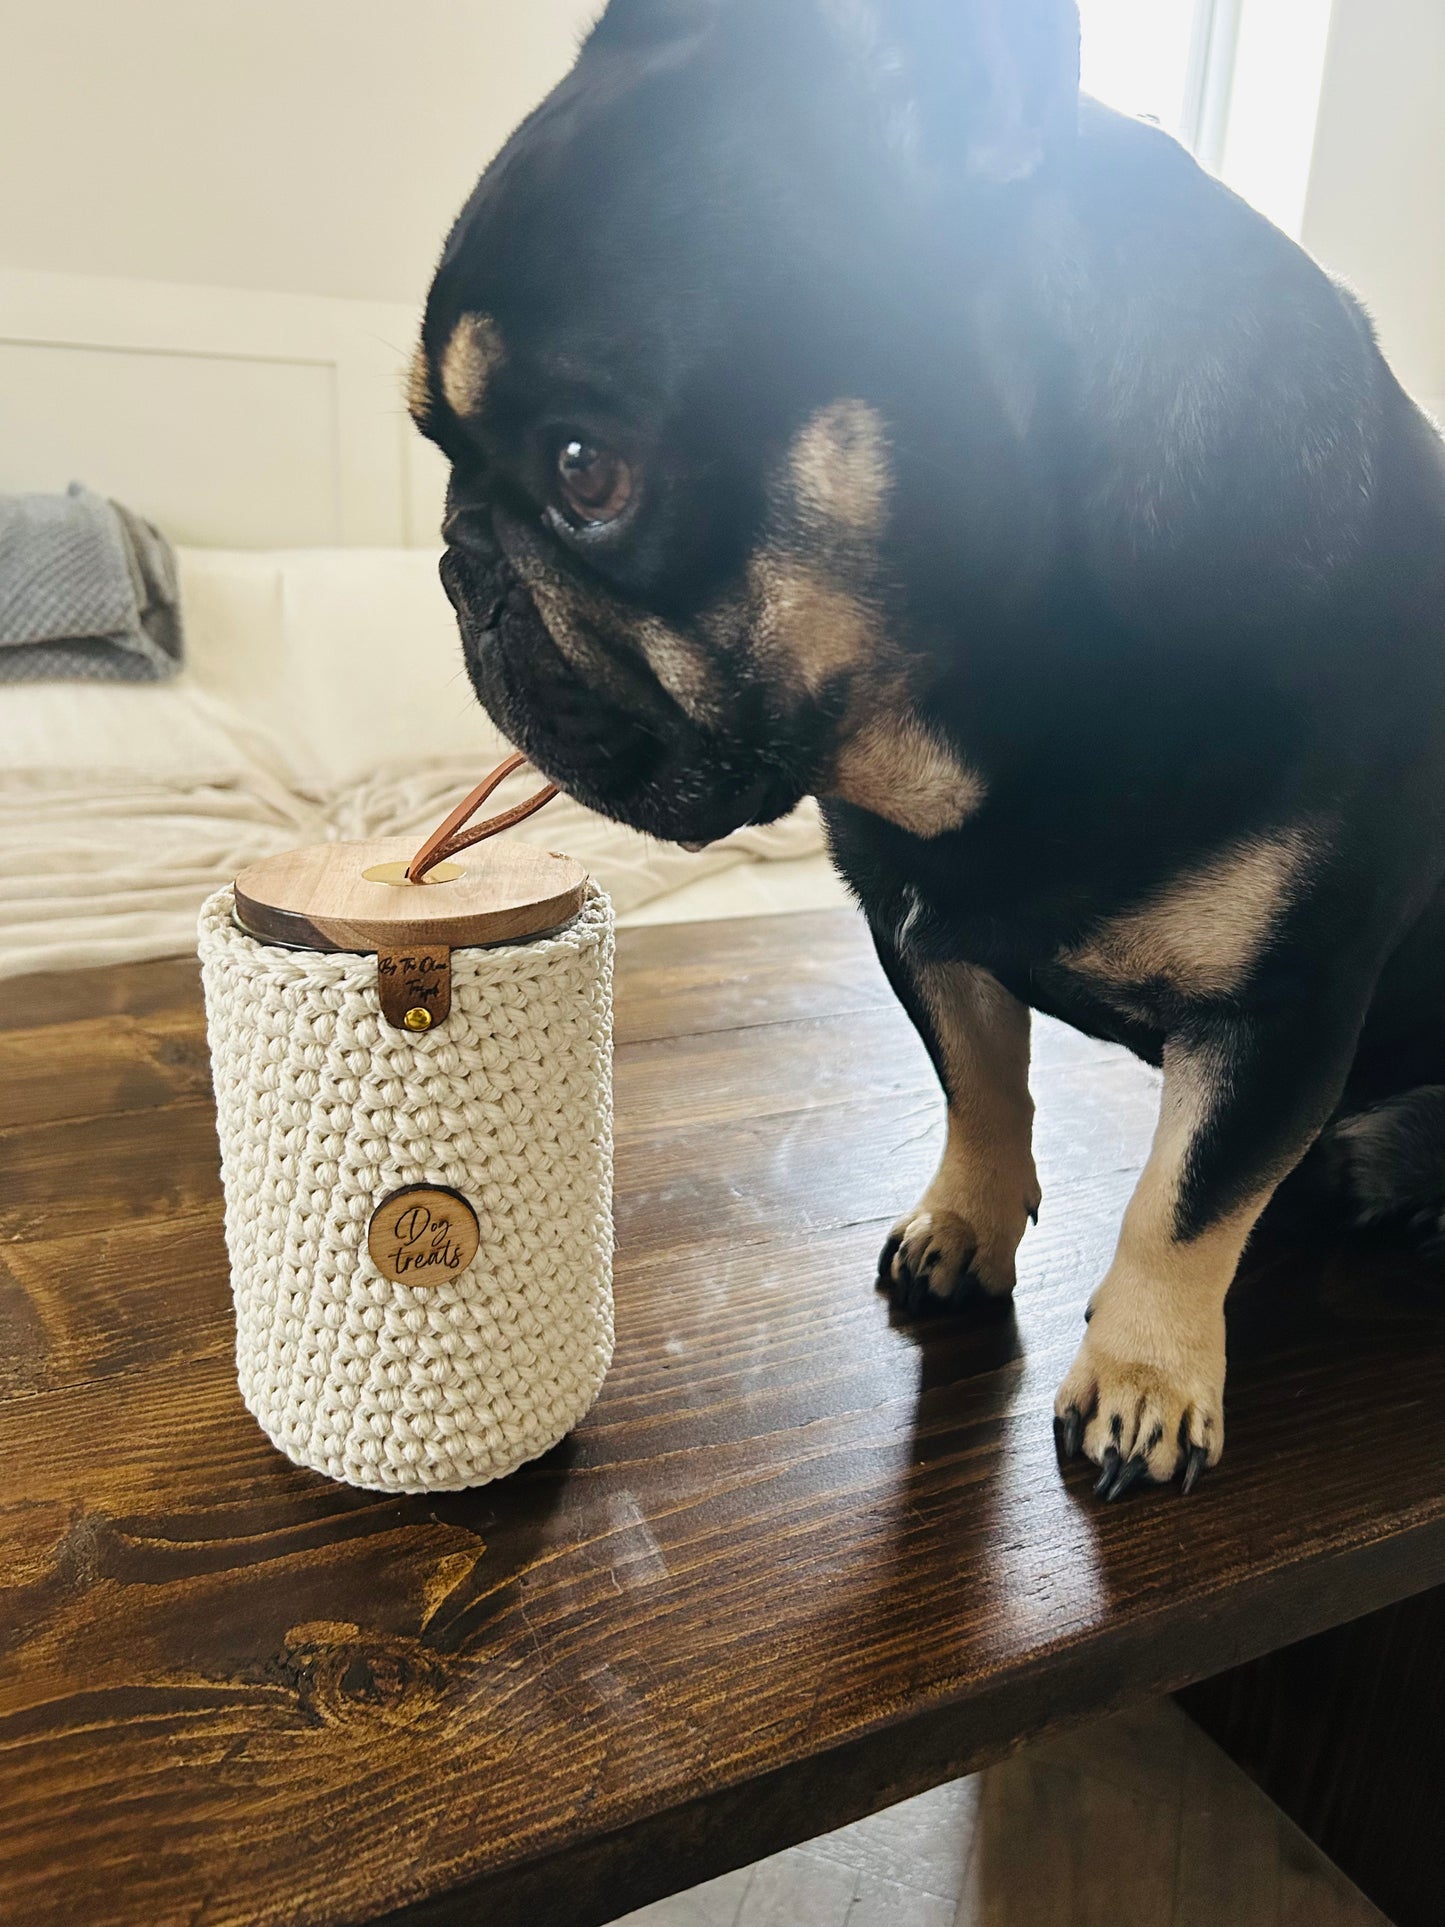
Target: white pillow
[323,693]
[349,659]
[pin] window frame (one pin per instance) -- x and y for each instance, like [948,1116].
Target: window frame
[1210,80]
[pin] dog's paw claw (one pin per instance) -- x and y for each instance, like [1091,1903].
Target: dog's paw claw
[1195,1467]
[1129,1475]
[1142,1420]
[885,1262]
[1109,1474]
[1069,1432]
[934,1261]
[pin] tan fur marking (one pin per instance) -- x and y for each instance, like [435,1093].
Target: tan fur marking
[469,361]
[1148,1244]
[806,631]
[581,627]
[975,1212]
[895,769]
[1206,932]
[840,470]
[418,386]
[681,665]
[812,617]
[558,606]
[983,1033]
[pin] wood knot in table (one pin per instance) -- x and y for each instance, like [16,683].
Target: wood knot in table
[342,1676]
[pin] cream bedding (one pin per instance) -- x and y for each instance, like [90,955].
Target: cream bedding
[113,869]
[120,808]
[322,698]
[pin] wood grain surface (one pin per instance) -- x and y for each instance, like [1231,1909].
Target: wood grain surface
[801,1561]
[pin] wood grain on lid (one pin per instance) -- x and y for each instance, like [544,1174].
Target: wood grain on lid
[322,899]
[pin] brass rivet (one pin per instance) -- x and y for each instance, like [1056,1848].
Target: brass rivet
[418,1019]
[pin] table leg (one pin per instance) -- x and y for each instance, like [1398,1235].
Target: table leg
[1346,1732]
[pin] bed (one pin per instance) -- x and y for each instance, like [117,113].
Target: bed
[323,693]
[322,696]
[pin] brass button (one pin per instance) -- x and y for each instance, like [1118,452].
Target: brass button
[418,1019]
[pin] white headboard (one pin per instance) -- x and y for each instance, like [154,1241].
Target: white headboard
[232,419]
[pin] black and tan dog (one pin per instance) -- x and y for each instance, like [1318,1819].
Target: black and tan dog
[838,406]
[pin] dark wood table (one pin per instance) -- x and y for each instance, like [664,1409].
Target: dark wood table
[801,1562]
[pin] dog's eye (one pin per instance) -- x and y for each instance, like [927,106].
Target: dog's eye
[595,484]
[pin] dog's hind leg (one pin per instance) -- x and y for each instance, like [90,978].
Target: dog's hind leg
[1386,1168]
[958,1243]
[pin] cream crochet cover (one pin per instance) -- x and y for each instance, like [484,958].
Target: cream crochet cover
[324,1111]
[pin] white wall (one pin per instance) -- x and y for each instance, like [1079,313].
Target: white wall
[219,219]
[218,223]
[1376,205]
[323,146]
[310,146]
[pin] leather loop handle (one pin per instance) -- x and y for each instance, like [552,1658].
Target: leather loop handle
[449,839]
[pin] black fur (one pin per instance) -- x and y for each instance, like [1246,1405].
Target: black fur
[1386,1164]
[1167,540]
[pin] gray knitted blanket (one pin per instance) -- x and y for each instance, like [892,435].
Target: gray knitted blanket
[88,592]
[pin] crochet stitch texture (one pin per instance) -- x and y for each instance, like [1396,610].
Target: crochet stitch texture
[324,1111]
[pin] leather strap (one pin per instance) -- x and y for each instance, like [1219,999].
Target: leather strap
[449,839]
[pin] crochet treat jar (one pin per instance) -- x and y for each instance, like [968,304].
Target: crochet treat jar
[414,1097]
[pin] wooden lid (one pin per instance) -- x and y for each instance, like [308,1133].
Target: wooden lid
[325,899]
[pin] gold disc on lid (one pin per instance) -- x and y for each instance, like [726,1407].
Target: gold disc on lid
[323,898]
[396,875]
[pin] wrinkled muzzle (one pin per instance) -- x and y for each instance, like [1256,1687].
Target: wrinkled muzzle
[585,707]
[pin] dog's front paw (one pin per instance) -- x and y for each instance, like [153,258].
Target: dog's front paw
[1142,1404]
[938,1260]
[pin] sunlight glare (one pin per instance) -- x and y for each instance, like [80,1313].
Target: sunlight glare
[1136,57]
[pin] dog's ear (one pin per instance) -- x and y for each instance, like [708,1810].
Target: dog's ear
[980,89]
[644,23]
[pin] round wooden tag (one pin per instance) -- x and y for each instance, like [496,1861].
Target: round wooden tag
[344,896]
[423,1236]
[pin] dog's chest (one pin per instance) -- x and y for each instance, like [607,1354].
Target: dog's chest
[1030,956]
[1126,970]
